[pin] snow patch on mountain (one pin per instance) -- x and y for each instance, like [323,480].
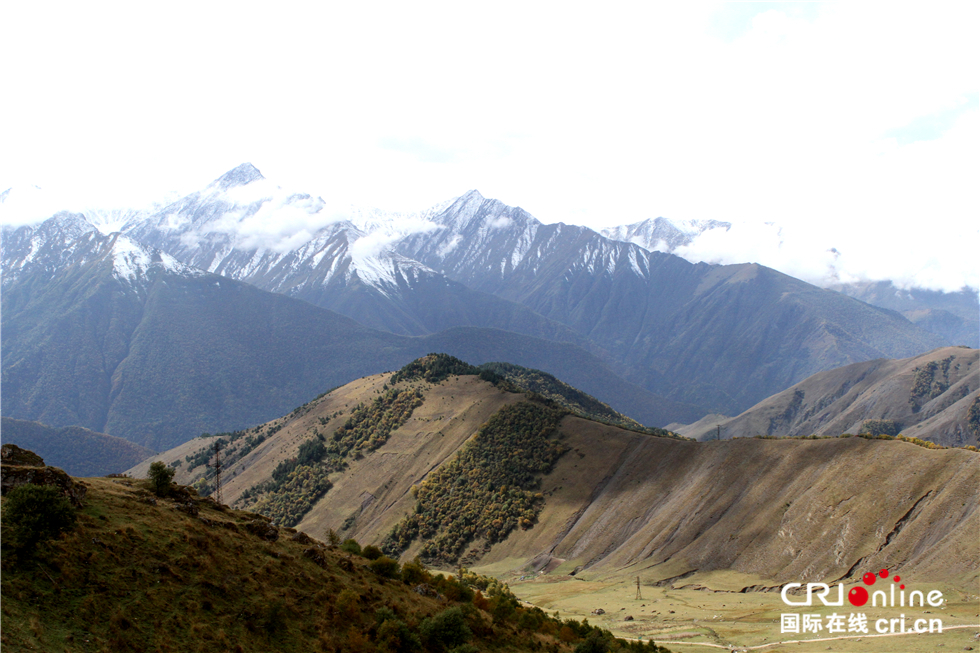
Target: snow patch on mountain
[132,261]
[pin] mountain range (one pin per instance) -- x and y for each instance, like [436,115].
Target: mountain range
[102,332]
[209,313]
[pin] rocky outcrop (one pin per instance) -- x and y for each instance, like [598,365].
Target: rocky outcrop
[11,454]
[22,467]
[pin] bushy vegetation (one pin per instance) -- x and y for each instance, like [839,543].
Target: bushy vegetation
[368,427]
[33,514]
[298,482]
[292,496]
[434,368]
[973,417]
[487,489]
[881,427]
[926,384]
[161,478]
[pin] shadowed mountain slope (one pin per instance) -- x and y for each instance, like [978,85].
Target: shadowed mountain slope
[342,266]
[77,450]
[719,337]
[953,315]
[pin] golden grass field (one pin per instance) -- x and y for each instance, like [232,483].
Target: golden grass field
[691,620]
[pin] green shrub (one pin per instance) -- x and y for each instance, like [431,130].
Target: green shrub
[465,648]
[161,478]
[445,629]
[274,623]
[33,514]
[385,567]
[414,573]
[881,427]
[371,552]
[395,636]
[596,642]
[351,546]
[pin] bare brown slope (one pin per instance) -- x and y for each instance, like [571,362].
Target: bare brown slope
[625,503]
[784,510]
[375,489]
[931,405]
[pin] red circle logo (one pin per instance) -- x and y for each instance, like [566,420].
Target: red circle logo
[869,578]
[858,596]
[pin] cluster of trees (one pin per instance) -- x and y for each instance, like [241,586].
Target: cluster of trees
[488,488]
[293,495]
[479,600]
[34,514]
[368,427]
[881,427]
[925,385]
[434,368]
[973,417]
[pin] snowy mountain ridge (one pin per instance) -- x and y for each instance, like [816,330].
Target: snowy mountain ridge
[68,239]
[661,234]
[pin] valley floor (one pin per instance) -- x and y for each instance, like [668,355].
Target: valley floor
[689,620]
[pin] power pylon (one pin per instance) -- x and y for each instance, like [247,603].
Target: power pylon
[639,597]
[217,472]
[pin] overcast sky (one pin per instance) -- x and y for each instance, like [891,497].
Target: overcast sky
[850,125]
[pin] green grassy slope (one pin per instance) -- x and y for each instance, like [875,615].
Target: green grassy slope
[141,573]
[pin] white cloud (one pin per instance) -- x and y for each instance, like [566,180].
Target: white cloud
[784,113]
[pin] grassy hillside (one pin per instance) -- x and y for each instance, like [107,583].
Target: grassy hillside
[181,573]
[77,450]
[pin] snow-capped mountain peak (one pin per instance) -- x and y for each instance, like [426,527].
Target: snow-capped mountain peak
[242,175]
[661,234]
